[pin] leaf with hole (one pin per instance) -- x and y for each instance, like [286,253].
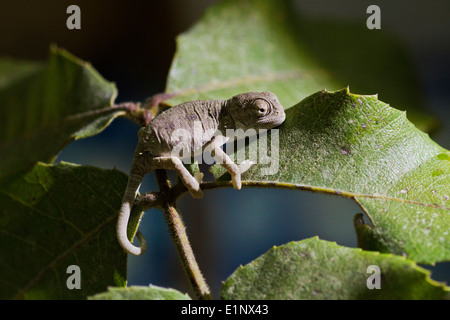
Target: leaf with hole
[361,148]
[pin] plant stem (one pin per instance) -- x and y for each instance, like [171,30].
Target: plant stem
[180,239]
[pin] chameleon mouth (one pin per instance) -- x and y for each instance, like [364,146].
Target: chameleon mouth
[281,120]
[274,121]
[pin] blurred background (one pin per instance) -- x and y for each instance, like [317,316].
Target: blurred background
[132,43]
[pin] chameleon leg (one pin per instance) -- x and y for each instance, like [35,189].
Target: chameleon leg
[174,163]
[224,160]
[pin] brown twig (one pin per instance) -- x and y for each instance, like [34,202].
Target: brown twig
[180,239]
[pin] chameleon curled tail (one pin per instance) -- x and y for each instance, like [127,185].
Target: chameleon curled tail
[133,184]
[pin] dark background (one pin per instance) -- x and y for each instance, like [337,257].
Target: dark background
[132,44]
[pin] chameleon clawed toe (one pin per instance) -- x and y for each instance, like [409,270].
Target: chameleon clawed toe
[198,176]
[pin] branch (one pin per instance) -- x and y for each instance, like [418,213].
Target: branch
[180,239]
[143,113]
[135,112]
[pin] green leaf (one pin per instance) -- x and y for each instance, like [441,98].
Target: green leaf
[365,151]
[254,45]
[241,46]
[366,238]
[317,269]
[141,293]
[370,62]
[57,216]
[45,106]
[359,147]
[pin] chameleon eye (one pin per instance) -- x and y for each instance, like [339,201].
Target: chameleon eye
[262,107]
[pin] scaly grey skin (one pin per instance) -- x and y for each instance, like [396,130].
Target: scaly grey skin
[250,110]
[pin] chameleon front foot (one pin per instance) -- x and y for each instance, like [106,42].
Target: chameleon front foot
[236,175]
[196,193]
[194,185]
[198,176]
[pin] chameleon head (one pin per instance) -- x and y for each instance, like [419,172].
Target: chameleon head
[257,110]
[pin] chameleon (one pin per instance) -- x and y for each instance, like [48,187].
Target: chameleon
[156,145]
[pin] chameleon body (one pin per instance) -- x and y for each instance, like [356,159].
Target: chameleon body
[157,141]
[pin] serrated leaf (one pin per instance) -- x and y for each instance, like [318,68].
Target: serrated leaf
[317,269]
[361,148]
[57,216]
[370,62]
[141,293]
[254,45]
[355,150]
[45,106]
